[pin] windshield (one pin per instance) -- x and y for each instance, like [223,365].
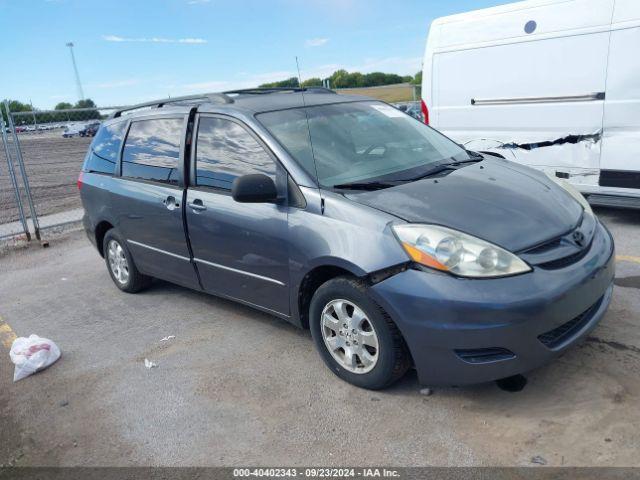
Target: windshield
[359,142]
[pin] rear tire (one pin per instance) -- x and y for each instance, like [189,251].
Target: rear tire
[369,352]
[120,264]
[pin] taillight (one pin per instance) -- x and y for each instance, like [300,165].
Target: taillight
[80,180]
[425,111]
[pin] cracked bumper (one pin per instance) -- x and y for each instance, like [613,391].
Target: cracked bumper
[440,315]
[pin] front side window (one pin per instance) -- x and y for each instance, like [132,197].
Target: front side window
[152,150]
[359,141]
[103,153]
[225,151]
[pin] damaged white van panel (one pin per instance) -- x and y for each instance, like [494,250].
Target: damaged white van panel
[554,84]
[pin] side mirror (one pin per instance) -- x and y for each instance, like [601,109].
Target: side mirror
[254,188]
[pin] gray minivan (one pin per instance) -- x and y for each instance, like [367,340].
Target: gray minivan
[391,243]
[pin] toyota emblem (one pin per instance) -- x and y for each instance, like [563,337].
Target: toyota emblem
[578,238]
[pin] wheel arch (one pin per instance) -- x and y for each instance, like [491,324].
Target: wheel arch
[100,231]
[329,269]
[323,271]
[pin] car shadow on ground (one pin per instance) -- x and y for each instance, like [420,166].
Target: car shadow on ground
[537,382]
[164,288]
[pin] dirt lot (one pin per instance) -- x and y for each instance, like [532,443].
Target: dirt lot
[387,93]
[52,164]
[238,387]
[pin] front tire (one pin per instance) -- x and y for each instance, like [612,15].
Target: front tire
[355,337]
[120,264]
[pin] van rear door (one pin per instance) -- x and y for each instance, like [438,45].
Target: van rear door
[620,164]
[528,81]
[147,198]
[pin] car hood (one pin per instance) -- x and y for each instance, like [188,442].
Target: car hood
[507,204]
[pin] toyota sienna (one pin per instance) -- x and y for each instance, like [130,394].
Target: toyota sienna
[394,245]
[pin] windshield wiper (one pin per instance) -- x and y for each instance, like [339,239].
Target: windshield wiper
[430,173]
[473,155]
[473,159]
[365,185]
[435,170]
[444,167]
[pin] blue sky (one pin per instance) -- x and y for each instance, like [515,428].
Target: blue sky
[135,50]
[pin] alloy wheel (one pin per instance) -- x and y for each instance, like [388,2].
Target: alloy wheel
[118,262]
[349,336]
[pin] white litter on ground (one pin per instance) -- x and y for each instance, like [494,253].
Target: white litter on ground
[166,339]
[31,355]
[539,460]
[149,364]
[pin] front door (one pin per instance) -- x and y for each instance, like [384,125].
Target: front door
[147,199]
[240,249]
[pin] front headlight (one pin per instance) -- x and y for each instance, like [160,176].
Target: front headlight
[451,251]
[571,190]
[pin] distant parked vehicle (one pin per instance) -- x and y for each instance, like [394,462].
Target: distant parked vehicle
[71,131]
[68,133]
[412,108]
[89,130]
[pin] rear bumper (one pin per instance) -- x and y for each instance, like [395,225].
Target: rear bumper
[463,331]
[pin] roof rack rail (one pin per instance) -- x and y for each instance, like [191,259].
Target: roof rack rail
[265,90]
[203,97]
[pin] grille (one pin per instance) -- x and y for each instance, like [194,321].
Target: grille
[559,335]
[545,247]
[485,355]
[566,261]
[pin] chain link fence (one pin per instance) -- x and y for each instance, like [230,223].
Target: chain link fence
[45,153]
[12,214]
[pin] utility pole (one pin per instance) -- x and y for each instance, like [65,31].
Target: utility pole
[75,70]
[33,112]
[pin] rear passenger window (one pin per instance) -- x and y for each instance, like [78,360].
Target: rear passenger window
[152,150]
[225,151]
[104,149]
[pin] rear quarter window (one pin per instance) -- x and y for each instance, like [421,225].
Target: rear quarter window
[104,149]
[152,150]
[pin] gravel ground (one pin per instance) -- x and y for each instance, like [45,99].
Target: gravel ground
[238,387]
[52,164]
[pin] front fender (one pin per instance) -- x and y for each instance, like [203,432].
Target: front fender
[346,235]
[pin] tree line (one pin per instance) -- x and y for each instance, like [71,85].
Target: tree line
[59,115]
[343,79]
[338,79]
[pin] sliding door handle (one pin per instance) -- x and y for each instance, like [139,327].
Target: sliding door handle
[196,205]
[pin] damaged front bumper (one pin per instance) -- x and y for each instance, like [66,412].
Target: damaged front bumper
[465,331]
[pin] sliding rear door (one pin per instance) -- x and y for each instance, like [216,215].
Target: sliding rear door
[620,166]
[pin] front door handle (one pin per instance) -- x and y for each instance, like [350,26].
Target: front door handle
[171,203]
[197,205]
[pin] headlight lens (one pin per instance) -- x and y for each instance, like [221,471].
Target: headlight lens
[571,190]
[456,252]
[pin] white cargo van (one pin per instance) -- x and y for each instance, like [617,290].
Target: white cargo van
[554,84]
